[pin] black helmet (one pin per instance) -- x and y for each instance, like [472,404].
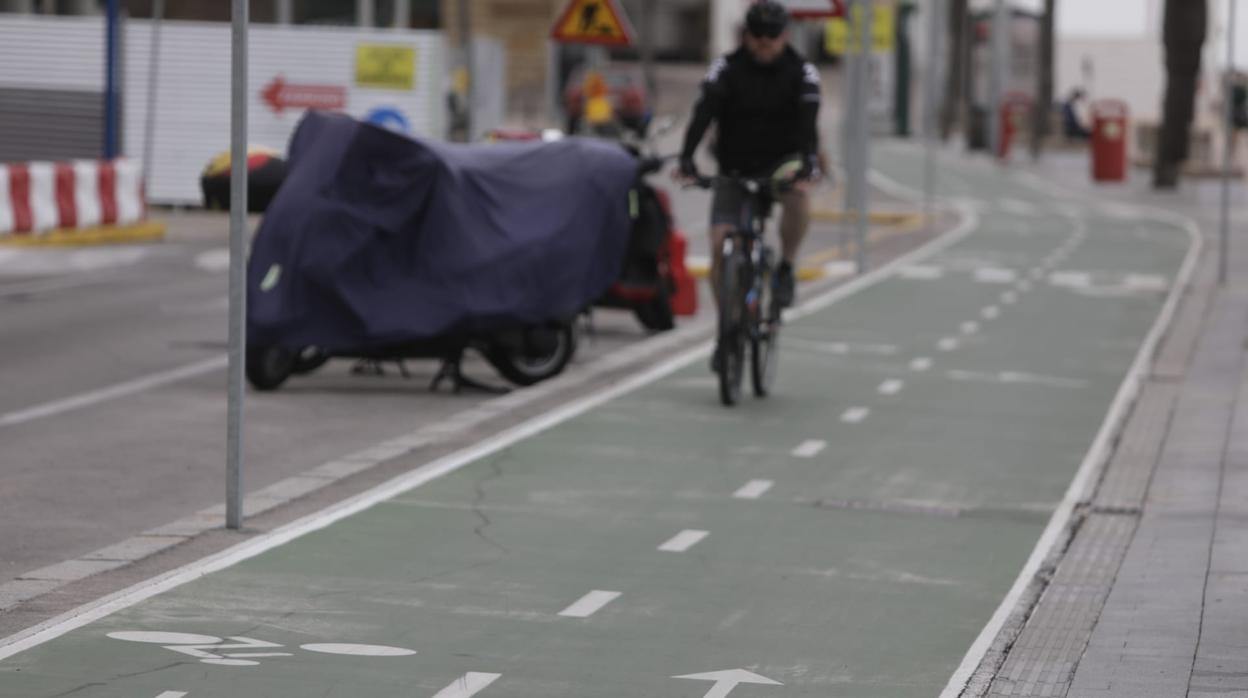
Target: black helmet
[766,18]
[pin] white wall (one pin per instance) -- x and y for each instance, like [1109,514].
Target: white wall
[193,108]
[1126,69]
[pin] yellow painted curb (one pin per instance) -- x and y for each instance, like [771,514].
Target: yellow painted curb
[874,218]
[139,232]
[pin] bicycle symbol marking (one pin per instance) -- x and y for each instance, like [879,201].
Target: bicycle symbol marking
[208,648]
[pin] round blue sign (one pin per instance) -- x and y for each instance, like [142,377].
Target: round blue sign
[389,117]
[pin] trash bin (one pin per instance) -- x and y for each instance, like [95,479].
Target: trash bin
[1109,140]
[1013,115]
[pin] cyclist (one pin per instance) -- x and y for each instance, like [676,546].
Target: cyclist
[764,99]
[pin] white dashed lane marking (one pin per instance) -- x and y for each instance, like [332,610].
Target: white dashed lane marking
[753,489]
[590,604]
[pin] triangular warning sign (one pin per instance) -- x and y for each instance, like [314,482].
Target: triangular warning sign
[600,22]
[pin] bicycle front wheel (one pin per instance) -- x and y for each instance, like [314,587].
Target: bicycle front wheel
[764,354]
[732,323]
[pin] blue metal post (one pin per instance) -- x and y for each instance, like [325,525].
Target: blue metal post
[112,15]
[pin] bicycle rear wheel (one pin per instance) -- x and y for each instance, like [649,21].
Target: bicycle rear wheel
[732,324]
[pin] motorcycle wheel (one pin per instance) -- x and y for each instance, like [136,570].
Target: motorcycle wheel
[268,367]
[656,315]
[309,360]
[525,369]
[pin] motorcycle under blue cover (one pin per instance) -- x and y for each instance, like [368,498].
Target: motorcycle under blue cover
[377,239]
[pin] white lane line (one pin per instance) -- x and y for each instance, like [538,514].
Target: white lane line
[891,387]
[809,449]
[970,327]
[753,489]
[1024,286]
[990,313]
[855,415]
[921,364]
[172,694]
[684,540]
[468,685]
[590,604]
[113,392]
[1009,298]
[947,344]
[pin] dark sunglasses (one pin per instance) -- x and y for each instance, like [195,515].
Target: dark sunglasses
[766,32]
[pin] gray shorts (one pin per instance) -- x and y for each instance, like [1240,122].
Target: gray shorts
[727,198]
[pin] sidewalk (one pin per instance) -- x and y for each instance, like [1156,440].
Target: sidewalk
[1150,596]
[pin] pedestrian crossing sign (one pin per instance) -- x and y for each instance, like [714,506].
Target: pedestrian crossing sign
[600,22]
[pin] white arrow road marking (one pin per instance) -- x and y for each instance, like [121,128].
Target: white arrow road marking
[809,449]
[921,364]
[854,415]
[970,327]
[993,275]
[990,313]
[172,694]
[891,387]
[684,540]
[590,604]
[1015,206]
[1146,282]
[947,344]
[725,681]
[1071,279]
[916,271]
[469,684]
[214,260]
[753,489]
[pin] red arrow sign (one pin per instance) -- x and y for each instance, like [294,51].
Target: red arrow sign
[280,96]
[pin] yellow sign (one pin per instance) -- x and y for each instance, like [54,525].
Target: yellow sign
[599,22]
[385,66]
[838,39]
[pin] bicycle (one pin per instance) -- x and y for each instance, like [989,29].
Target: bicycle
[748,311]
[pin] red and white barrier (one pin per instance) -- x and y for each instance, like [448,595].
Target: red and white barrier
[38,197]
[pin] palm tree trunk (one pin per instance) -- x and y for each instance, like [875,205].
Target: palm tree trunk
[1184,30]
[950,113]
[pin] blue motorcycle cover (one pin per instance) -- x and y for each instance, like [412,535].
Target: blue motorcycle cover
[376,239]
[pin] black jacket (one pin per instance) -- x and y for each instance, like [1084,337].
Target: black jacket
[764,112]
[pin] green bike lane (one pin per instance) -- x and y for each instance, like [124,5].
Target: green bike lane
[850,536]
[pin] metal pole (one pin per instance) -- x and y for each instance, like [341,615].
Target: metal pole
[153,57]
[1228,154]
[285,12]
[402,14]
[364,15]
[849,121]
[931,91]
[111,22]
[238,250]
[862,205]
[997,74]
[465,43]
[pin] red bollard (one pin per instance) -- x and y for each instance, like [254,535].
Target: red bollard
[1109,141]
